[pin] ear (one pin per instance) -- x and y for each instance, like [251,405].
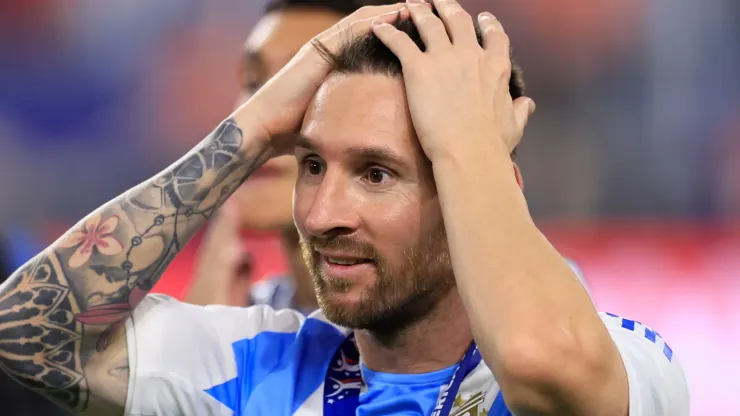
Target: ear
[518,175]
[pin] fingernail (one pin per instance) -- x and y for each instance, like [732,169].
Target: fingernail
[378,22]
[485,16]
[532,107]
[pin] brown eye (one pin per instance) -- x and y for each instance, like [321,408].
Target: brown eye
[314,167]
[377,176]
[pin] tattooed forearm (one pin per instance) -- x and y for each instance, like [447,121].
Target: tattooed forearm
[69,301]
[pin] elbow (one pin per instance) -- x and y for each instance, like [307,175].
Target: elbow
[554,377]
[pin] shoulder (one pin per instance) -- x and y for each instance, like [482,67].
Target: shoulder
[167,337]
[636,335]
[657,383]
[167,315]
[197,360]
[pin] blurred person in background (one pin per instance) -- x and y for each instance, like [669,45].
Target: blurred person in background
[223,271]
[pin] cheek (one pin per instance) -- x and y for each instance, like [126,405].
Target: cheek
[398,224]
[302,198]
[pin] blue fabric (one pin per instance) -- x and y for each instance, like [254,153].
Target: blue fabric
[277,372]
[402,394]
[499,407]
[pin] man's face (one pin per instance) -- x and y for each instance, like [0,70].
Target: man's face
[366,206]
[265,199]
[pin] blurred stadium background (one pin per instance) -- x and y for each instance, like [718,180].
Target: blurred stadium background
[631,164]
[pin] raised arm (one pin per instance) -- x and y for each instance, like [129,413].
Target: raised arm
[534,324]
[63,307]
[61,313]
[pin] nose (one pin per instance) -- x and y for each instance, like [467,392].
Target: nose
[334,207]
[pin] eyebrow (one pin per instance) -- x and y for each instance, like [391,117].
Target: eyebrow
[380,154]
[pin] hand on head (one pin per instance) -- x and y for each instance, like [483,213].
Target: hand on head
[457,89]
[278,107]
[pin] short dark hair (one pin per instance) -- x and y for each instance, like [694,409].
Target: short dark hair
[368,55]
[342,7]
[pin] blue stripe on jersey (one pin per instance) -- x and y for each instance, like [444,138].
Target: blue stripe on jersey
[277,372]
[649,334]
[628,324]
[250,370]
[498,408]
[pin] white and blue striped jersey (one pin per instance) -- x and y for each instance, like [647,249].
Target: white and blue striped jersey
[217,360]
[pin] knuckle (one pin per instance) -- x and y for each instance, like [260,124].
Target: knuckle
[423,19]
[462,17]
[447,5]
[460,14]
[501,65]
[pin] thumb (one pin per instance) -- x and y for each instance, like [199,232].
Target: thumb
[523,108]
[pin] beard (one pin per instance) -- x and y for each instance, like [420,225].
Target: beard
[401,294]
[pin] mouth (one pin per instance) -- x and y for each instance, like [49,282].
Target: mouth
[344,267]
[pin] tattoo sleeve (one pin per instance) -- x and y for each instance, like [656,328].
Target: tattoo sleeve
[65,305]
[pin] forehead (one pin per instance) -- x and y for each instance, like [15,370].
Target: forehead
[361,110]
[278,35]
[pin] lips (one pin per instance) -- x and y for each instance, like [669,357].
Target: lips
[344,261]
[344,267]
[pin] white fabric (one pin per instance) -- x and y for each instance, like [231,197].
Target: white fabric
[178,351]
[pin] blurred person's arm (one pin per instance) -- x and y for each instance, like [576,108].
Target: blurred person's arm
[223,267]
[62,313]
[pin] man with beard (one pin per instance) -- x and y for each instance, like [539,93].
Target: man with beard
[225,270]
[436,298]
[240,261]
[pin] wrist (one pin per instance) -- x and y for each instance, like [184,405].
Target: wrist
[254,133]
[474,147]
[491,159]
[482,178]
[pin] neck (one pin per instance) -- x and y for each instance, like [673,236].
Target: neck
[304,293]
[417,348]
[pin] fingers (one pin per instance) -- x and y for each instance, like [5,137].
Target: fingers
[360,23]
[370,12]
[458,22]
[495,39]
[398,42]
[430,27]
[523,108]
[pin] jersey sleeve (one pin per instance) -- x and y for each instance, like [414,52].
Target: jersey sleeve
[657,384]
[182,356]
